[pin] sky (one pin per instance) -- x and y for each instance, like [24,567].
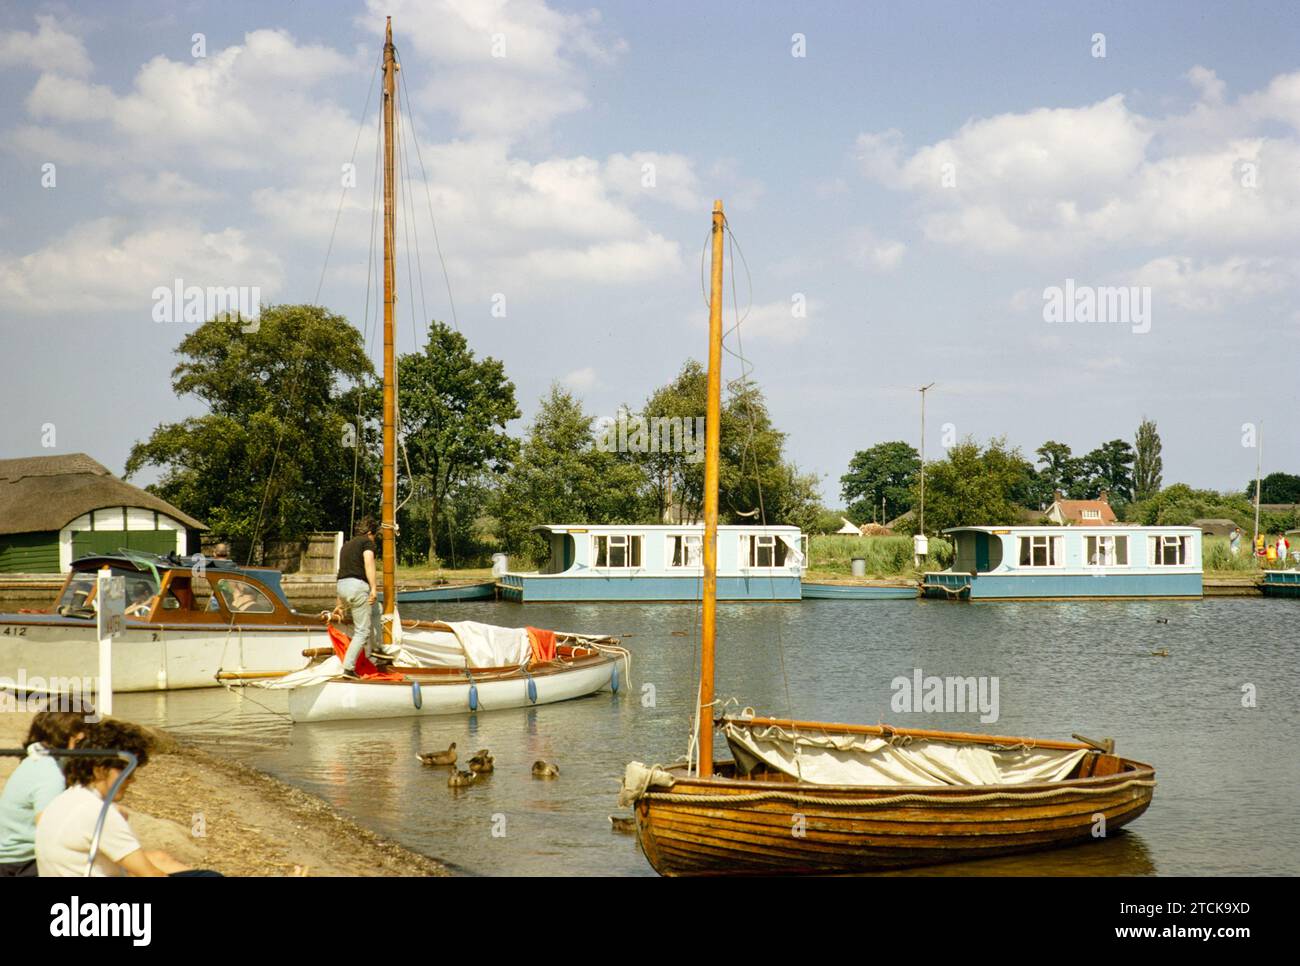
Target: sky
[922,193]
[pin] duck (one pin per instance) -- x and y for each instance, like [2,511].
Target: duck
[624,824]
[460,779]
[1162,620]
[447,757]
[1160,653]
[544,769]
[482,763]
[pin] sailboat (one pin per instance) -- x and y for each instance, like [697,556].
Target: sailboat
[440,668]
[812,797]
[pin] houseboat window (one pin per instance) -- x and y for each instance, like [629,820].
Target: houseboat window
[1106,551]
[1167,551]
[685,550]
[617,550]
[242,598]
[762,550]
[1042,551]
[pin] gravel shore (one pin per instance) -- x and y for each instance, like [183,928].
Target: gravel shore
[213,813]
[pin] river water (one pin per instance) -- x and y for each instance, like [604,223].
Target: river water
[1228,772]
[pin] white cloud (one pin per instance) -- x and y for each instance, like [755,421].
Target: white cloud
[784,321]
[97,266]
[1202,286]
[580,380]
[50,48]
[1056,181]
[653,176]
[162,188]
[874,253]
[502,67]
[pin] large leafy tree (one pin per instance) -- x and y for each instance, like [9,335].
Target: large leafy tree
[973,486]
[1276,488]
[1059,469]
[885,473]
[455,408]
[1147,464]
[755,483]
[271,458]
[561,476]
[1110,467]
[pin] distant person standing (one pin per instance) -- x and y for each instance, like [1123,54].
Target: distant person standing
[357,589]
[1259,545]
[1283,545]
[1234,541]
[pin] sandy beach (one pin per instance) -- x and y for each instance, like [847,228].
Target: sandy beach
[217,814]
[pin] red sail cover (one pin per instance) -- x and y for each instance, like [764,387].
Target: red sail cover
[543,644]
[365,668]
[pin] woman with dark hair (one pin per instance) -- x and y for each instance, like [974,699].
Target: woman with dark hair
[67,826]
[36,782]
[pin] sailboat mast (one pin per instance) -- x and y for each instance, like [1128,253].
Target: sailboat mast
[712,438]
[390,401]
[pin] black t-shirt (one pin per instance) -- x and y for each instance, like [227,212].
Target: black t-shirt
[352,562]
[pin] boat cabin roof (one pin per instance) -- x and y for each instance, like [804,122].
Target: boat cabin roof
[654,527]
[1074,528]
[144,562]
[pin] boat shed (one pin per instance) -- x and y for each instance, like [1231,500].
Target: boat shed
[54,509]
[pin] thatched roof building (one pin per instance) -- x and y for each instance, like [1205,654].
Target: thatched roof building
[56,508]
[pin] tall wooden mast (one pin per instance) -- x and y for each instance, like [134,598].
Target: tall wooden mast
[390,288]
[712,439]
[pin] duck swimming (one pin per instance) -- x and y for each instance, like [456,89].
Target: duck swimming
[482,763]
[544,769]
[460,779]
[447,757]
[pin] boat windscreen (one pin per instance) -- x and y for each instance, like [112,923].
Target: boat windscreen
[78,598]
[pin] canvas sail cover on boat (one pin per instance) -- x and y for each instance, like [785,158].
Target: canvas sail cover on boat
[465,644]
[855,759]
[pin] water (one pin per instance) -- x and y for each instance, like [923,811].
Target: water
[1228,774]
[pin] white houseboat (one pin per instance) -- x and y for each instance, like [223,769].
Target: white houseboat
[660,562]
[1018,563]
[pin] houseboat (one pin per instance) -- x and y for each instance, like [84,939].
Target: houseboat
[663,563]
[1023,563]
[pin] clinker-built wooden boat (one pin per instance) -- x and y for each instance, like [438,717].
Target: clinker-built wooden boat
[750,818]
[808,797]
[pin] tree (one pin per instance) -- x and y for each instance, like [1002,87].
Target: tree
[1276,488]
[271,458]
[973,487]
[884,474]
[755,482]
[1060,470]
[561,476]
[1147,464]
[455,408]
[1109,467]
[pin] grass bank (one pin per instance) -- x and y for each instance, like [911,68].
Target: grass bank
[831,555]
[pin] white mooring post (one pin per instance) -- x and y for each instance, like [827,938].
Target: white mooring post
[110,618]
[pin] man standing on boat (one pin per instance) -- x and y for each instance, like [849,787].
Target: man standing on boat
[357,589]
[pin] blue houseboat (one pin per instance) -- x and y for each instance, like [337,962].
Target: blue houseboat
[625,562]
[1021,563]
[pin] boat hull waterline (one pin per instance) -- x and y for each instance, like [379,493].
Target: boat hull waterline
[725,826]
[430,692]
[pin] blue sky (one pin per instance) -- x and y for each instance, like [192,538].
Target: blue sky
[918,180]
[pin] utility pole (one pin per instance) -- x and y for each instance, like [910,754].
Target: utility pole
[923,390]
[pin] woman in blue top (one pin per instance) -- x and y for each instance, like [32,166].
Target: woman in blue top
[36,782]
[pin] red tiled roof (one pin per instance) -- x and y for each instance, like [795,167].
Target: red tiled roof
[1073,510]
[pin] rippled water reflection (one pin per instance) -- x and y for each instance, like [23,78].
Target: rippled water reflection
[1228,775]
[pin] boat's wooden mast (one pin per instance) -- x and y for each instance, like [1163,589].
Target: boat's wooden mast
[390,287]
[712,439]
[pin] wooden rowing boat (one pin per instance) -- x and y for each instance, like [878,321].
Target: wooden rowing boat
[808,797]
[766,822]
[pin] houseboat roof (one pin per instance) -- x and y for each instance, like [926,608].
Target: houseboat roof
[1072,528]
[653,527]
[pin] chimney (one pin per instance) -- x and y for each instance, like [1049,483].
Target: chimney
[1104,497]
[1056,496]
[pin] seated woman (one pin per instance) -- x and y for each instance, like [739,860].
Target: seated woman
[66,827]
[33,785]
